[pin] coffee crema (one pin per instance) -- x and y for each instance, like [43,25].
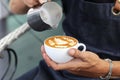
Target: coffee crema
[61,41]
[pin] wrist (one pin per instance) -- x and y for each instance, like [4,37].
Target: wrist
[109,74]
[100,69]
[103,67]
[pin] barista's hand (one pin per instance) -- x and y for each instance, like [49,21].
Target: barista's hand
[31,3]
[34,3]
[86,63]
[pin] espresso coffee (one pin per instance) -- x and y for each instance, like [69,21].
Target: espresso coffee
[61,41]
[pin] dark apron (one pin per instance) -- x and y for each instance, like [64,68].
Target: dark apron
[92,24]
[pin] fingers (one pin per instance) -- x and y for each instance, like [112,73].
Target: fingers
[31,3]
[84,60]
[44,55]
[76,53]
[43,49]
[51,63]
[46,58]
[64,66]
[34,3]
[54,65]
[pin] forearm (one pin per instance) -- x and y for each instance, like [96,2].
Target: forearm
[104,69]
[18,7]
[100,69]
[116,69]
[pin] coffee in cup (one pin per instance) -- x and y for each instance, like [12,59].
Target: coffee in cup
[57,47]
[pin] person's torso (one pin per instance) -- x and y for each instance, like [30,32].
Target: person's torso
[93,24]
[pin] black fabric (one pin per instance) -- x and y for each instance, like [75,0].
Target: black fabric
[43,72]
[101,1]
[94,25]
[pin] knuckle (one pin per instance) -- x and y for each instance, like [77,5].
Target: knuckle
[32,3]
[72,69]
[77,53]
[29,3]
[55,68]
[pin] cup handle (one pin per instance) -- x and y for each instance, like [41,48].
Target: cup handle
[83,45]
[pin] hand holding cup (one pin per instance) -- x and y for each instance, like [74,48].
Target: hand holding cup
[57,47]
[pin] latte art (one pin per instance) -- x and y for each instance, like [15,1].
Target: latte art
[61,41]
[57,47]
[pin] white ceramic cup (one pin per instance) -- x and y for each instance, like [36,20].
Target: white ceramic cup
[60,55]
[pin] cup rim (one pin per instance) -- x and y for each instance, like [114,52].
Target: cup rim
[61,48]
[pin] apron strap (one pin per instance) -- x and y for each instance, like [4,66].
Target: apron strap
[116,8]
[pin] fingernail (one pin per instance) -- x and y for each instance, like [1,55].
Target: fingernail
[72,52]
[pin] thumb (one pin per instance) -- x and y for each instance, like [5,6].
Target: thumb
[76,53]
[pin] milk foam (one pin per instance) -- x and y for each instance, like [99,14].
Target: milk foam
[63,42]
[60,41]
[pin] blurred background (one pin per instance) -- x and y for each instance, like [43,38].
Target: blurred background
[27,47]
